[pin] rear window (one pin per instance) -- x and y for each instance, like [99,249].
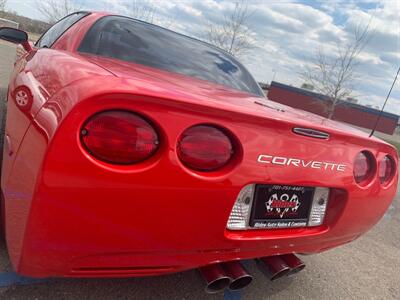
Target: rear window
[142,43]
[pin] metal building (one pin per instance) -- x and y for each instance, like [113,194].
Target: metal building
[345,111]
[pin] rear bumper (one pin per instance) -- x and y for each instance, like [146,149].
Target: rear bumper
[102,232]
[156,263]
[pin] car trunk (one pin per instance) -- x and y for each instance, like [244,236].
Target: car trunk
[196,91]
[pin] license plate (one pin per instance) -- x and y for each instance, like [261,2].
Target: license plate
[281,206]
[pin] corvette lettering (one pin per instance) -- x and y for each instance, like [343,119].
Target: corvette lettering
[301,163]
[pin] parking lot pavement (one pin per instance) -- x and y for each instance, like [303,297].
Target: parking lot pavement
[7,56]
[367,268]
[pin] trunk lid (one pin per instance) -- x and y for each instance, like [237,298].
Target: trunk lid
[195,91]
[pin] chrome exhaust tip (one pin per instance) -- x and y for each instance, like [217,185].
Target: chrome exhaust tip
[215,278]
[274,267]
[240,278]
[295,264]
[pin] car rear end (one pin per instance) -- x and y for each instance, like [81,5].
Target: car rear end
[160,167]
[204,181]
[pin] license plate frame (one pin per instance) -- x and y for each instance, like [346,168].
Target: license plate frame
[281,206]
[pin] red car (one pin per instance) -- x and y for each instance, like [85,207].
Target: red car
[133,150]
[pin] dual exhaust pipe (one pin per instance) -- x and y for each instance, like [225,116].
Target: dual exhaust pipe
[234,276]
[230,275]
[275,267]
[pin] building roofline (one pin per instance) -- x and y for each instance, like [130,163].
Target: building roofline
[341,102]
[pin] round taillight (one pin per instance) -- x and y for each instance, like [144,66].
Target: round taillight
[364,167]
[204,148]
[119,137]
[387,169]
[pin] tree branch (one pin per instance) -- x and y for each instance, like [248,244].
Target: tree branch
[54,10]
[234,34]
[334,75]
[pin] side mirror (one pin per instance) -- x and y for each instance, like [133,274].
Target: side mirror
[15,36]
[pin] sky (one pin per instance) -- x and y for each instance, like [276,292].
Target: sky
[287,35]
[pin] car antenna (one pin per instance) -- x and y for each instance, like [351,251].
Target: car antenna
[384,104]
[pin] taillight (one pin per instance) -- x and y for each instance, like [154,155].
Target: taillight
[364,167]
[119,137]
[204,148]
[387,169]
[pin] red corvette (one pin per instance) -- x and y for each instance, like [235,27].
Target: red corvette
[131,150]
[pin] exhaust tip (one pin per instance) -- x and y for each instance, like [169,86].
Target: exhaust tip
[296,270]
[240,283]
[215,278]
[280,274]
[240,278]
[295,263]
[218,285]
[273,267]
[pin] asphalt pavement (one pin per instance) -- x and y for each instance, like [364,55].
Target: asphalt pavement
[368,268]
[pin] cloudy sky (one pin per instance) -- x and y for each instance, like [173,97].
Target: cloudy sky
[287,34]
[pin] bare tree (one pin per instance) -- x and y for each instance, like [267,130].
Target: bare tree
[335,74]
[146,10]
[142,10]
[233,34]
[3,5]
[54,10]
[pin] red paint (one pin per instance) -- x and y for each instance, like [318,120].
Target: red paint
[70,214]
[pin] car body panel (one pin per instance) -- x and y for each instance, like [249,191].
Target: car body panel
[68,214]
